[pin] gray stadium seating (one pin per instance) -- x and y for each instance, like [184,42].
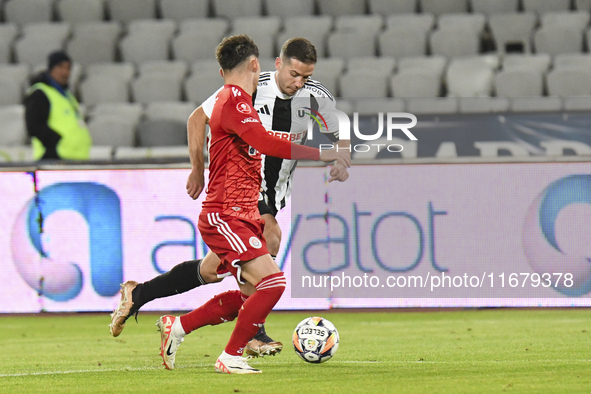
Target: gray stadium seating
[363,85]
[471,22]
[176,69]
[341,7]
[454,42]
[215,26]
[577,103]
[78,11]
[132,112]
[199,86]
[112,130]
[583,5]
[144,46]
[432,105]
[12,91]
[402,42]
[87,49]
[59,30]
[12,119]
[569,81]
[16,72]
[28,11]
[488,7]
[233,9]
[371,65]
[424,22]
[431,64]
[163,27]
[582,60]
[121,71]
[327,71]
[474,105]
[471,77]
[513,29]
[262,30]
[33,49]
[179,10]
[539,62]
[556,40]
[156,87]
[416,83]
[440,7]
[536,104]
[313,28]
[5,49]
[190,46]
[107,31]
[128,10]
[290,8]
[388,7]
[359,23]
[162,132]
[97,89]
[578,19]
[347,45]
[518,82]
[170,110]
[207,66]
[543,6]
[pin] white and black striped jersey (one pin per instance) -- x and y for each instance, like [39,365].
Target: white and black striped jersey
[286,117]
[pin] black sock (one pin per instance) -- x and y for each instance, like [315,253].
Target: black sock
[181,278]
[262,336]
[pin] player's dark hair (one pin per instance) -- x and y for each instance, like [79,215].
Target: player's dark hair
[300,49]
[234,50]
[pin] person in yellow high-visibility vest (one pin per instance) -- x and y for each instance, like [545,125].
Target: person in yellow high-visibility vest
[52,116]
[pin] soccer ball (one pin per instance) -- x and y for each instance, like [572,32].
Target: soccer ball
[315,340]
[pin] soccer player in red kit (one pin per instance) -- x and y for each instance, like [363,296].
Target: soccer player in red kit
[230,222]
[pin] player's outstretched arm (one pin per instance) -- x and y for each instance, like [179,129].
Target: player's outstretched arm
[196,138]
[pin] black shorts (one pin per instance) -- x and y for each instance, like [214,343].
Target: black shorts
[265,207]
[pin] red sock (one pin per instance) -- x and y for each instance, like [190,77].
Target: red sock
[254,312]
[220,309]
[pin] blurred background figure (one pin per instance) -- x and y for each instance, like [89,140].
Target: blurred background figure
[52,115]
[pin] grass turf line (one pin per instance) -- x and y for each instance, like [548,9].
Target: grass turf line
[474,351]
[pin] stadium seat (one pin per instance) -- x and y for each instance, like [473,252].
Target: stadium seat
[33,49]
[347,45]
[583,5]
[12,119]
[471,76]
[176,69]
[473,22]
[416,83]
[12,91]
[539,62]
[513,32]
[108,31]
[163,27]
[97,89]
[577,104]
[143,47]
[327,71]
[28,11]
[542,6]
[267,64]
[87,49]
[112,130]
[423,22]
[59,30]
[556,40]
[536,104]
[162,132]
[389,7]
[179,10]
[440,7]
[210,66]
[190,46]
[569,81]
[16,72]
[9,30]
[121,71]
[214,26]
[474,105]
[582,60]
[430,64]
[579,19]
[402,42]
[5,49]
[341,7]
[156,87]
[359,23]
[518,82]
[432,105]
[373,106]
[371,65]
[128,10]
[488,7]
[233,9]
[454,42]
[289,8]
[130,111]
[313,28]
[368,85]
[262,30]
[170,110]
[79,11]
[198,87]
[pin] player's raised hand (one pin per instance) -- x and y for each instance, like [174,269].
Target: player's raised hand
[331,155]
[195,184]
[338,173]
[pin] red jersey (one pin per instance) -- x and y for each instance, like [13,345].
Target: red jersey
[234,166]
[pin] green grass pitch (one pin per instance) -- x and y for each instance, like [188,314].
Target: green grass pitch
[468,351]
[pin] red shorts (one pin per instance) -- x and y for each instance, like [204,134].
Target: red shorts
[234,240]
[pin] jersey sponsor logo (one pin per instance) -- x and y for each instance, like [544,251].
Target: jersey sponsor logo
[264,110]
[236,92]
[286,135]
[250,120]
[252,151]
[255,242]
[243,108]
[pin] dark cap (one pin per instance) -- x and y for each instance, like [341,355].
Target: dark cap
[56,58]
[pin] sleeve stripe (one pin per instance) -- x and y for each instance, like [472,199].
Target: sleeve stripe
[321,87]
